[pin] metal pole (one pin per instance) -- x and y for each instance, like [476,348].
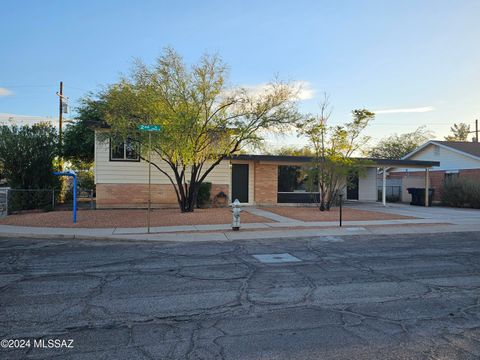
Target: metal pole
[427,185]
[476,130]
[6,200]
[60,115]
[384,187]
[149,180]
[91,199]
[341,196]
[74,199]
[53,199]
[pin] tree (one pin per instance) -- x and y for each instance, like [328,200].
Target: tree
[397,146]
[293,151]
[333,147]
[79,138]
[459,132]
[202,121]
[27,157]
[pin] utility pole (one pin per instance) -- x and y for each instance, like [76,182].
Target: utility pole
[60,115]
[476,130]
[60,123]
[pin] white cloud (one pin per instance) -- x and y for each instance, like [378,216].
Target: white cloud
[5,92]
[405,110]
[304,88]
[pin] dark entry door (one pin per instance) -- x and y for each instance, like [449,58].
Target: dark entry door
[352,187]
[240,182]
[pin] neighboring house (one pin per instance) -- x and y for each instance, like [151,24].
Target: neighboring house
[457,159]
[122,181]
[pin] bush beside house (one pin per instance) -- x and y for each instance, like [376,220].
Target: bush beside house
[461,192]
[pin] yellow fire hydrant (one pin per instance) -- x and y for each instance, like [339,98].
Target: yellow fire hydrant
[236,215]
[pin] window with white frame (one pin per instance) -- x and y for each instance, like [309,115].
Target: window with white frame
[124,150]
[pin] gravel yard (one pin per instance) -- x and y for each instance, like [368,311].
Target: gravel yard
[128,218]
[313,214]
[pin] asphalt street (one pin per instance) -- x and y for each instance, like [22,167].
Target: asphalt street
[349,297]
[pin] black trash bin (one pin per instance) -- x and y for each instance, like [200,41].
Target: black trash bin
[418,196]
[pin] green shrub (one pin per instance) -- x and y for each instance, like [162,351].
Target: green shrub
[461,192]
[28,156]
[19,200]
[203,197]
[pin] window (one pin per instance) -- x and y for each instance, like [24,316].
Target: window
[295,185]
[290,179]
[450,175]
[127,150]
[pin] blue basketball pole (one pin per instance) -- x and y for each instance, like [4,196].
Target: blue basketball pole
[74,199]
[74,175]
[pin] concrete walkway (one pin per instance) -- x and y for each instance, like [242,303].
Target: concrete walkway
[270,215]
[431,220]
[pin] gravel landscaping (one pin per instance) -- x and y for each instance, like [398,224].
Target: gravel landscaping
[128,218]
[313,214]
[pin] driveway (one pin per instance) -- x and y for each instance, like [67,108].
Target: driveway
[349,297]
[458,216]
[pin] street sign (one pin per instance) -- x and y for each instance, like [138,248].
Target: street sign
[145,127]
[149,129]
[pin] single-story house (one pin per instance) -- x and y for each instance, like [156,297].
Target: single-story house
[456,158]
[121,178]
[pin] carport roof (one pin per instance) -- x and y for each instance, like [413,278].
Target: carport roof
[306,159]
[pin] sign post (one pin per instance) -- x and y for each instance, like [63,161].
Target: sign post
[341,196]
[149,129]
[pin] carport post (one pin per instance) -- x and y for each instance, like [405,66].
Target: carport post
[384,187]
[427,186]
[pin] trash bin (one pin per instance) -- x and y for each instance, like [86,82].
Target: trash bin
[418,196]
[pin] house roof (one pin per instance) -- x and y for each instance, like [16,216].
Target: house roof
[470,149]
[306,159]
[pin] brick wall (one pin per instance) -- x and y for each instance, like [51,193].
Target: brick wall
[266,183]
[437,178]
[136,195]
[471,173]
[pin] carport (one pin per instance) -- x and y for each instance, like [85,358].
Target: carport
[385,164]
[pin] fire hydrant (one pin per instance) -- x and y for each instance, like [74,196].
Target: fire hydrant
[236,215]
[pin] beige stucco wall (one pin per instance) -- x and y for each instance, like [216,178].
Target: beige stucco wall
[449,159]
[136,172]
[367,185]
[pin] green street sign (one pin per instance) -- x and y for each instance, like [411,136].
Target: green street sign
[149,127]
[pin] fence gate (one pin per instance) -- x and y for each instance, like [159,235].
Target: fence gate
[3,202]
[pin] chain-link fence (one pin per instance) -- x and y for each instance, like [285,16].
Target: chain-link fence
[16,200]
[3,202]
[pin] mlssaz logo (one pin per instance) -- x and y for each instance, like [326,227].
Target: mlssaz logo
[53,343]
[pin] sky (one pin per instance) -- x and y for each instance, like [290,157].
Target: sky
[412,62]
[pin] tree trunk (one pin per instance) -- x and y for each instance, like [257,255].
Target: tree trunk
[188,198]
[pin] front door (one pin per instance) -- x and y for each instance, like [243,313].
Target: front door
[352,187]
[240,182]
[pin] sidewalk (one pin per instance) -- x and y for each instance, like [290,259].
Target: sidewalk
[223,232]
[438,220]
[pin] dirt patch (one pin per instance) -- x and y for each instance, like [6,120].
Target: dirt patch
[313,214]
[128,218]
